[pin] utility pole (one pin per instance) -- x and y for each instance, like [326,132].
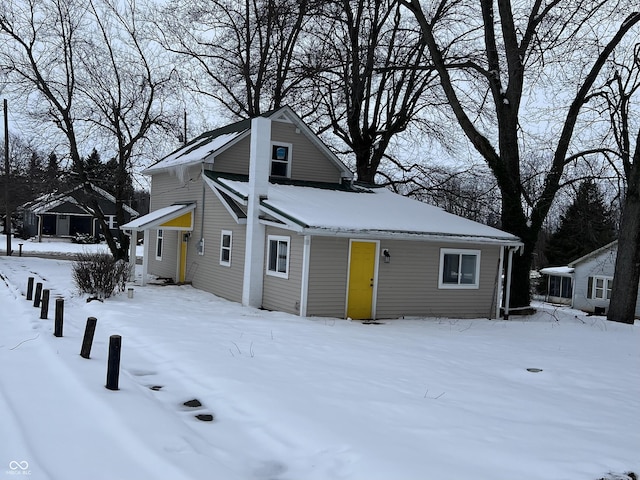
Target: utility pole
[7,220]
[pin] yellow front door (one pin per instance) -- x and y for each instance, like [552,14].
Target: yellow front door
[182,267]
[361,280]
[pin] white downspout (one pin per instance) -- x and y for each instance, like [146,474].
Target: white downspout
[259,163]
[500,282]
[507,298]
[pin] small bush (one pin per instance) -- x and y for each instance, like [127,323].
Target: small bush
[100,274]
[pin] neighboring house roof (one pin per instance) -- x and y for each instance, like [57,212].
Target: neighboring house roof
[373,211]
[595,253]
[205,147]
[47,202]
[557,271]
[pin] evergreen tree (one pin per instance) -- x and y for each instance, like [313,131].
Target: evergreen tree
[587,224]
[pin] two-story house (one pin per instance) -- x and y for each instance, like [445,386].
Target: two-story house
[262,212]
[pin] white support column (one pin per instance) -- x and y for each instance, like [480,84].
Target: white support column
[259,164]
[145,256]
[304,289]
[507,297]
[133,240]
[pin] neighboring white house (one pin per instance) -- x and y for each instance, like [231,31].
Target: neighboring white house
[587,281]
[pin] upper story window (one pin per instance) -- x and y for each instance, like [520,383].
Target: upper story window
[459,268]
[280,159]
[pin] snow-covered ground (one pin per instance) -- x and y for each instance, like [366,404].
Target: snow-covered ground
[307,399]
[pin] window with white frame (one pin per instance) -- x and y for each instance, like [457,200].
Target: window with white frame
[280,159]
[459,268]
[225,247]
[112,222]
[600,288]
[159,241]
[278,256]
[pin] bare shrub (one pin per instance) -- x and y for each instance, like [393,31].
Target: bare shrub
[100,274]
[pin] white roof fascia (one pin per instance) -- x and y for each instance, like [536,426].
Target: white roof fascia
[416,236]
[595,253]
[224,188]
[285,225]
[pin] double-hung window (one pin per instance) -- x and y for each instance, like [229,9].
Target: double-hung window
[280,159]
[159,241]
[600,288]
[459,268]
[278,256]
[112,222]
[225,248]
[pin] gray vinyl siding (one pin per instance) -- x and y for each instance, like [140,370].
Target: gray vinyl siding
[168,189]
[328,263]
[408,284]
[307,162]
[235,159]
[205,271]
[283,294]
[168,266]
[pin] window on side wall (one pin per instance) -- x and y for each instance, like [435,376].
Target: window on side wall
[459,268]
[280,159]
[278,256]
[112,222]
[600,288]
[159,241]
[225,248]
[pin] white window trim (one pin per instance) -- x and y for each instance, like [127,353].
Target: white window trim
[160,241]
[223,233]
[289,159]
[606,286]
[458,286]
[278,238]
[113,223]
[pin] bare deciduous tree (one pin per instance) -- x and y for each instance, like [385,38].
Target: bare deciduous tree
[374,77]
[102,85]
[618,99]
[246,55]
[488,61]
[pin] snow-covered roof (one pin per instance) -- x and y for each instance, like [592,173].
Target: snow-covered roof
[559,271]
[159,216]
[375,212]
[48,201]
[609,246]
[196,151]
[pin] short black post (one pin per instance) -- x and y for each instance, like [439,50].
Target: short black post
[113,363]
[57,329]
[20,249]
[30,288]
[87,341]
[44,308]
[36,298]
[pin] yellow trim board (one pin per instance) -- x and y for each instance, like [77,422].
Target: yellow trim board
[183,221]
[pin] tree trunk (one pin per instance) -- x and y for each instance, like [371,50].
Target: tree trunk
[624,294]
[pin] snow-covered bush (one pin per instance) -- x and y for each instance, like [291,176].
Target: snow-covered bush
[100,274]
